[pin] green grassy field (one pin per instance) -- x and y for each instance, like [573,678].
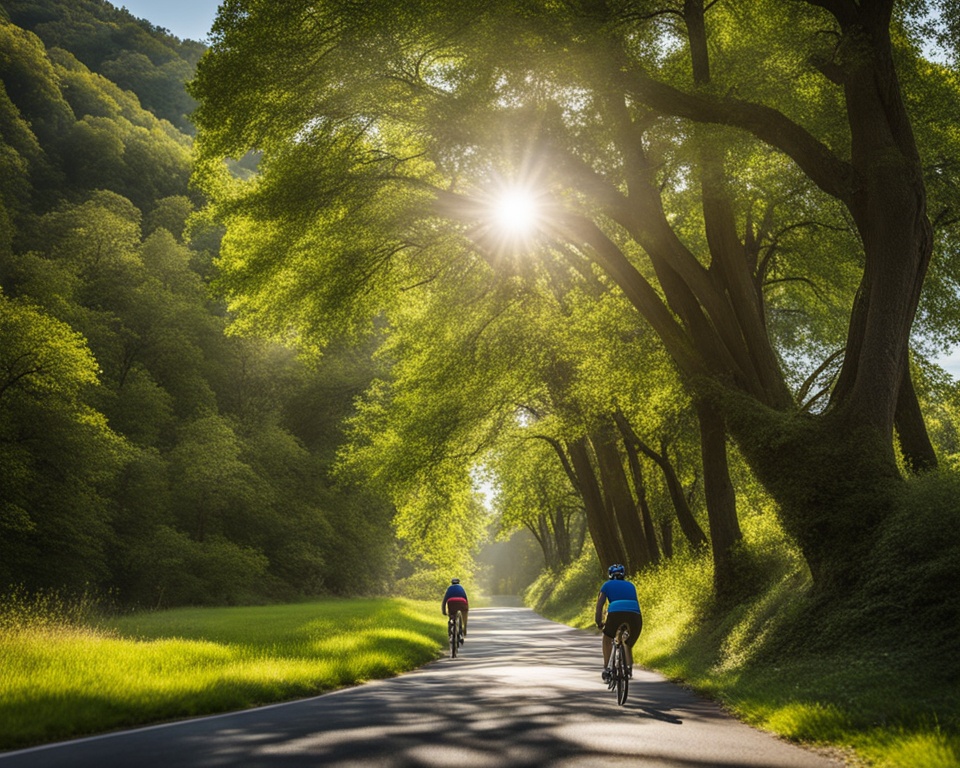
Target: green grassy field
[60,677]
[884,699]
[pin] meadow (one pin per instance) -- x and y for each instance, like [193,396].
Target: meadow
[65,674]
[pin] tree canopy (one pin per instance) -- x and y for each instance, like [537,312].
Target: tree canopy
[759,181]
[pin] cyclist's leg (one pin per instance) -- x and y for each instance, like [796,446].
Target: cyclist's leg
[458,604]
[635,622]
[607,646]
[610,626]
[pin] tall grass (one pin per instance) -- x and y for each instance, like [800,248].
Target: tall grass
[61,676]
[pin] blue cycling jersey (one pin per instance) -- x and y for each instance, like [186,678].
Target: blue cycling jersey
[454,590]
[622,596]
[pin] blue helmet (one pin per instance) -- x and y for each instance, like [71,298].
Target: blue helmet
[616,571]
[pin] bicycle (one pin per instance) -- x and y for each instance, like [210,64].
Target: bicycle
[455,633]
[619,671]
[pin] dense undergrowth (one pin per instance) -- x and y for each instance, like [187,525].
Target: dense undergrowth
[874,670]
[62,674]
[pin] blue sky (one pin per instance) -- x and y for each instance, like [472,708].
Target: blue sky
[185,18]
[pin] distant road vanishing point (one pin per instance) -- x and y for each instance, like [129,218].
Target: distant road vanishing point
[524,692]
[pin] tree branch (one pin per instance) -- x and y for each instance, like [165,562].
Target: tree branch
[827,171]
[805,387]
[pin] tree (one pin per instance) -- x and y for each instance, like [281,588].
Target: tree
[216,492]
[532,492]
[57,454]
[393,124]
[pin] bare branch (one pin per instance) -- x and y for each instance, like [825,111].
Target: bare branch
[805,387]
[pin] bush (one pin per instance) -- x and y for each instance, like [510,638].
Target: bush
[919,550]
[177,570]
[570,595]
[423,585]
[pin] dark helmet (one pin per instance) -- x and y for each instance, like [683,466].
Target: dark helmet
[457,581]
[616,571]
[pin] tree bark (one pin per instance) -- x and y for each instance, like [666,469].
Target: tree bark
[721,499]
[619,499]
[547,542]
[602,529]
[640,491]
[561,535]
[666,537]
[915,443]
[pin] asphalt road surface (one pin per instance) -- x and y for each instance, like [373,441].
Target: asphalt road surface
[523,692]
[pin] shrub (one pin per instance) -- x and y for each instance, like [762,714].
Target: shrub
[423,585]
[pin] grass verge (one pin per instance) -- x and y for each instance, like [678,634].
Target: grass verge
[61,678]
[885,697]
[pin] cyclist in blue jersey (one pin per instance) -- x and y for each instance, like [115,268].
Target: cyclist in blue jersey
[455,599]
[624,608]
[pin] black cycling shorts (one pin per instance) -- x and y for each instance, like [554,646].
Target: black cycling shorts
[632,620]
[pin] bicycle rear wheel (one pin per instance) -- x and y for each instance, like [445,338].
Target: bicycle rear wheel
[455,630]
[453,634]
[620,670]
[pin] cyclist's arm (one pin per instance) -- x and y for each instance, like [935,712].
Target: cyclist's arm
[598,616]
[443,606]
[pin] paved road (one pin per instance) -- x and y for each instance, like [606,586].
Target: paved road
[524,692]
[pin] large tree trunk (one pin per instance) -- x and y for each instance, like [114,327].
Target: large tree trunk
[619,499]
[601,526]
[832,476]
[721,499]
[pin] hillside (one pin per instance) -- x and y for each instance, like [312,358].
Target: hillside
[133,53]
[146,456]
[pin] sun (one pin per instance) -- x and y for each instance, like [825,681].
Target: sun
[515,212]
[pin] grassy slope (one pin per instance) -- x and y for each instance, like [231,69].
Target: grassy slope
[781,662]
[61,679]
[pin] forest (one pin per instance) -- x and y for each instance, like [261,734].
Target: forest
[147,456]
[341,304]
